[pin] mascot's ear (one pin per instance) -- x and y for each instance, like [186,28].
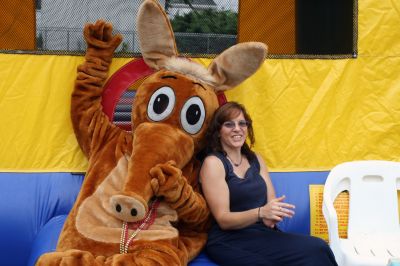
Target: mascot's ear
[156,38]
[236,64]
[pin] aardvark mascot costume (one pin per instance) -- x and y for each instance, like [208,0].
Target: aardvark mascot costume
[140,202]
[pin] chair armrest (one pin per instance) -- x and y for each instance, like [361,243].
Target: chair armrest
[47,238]
[330,216]
[331,190]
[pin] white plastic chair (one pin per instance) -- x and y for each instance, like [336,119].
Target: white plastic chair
[373,228]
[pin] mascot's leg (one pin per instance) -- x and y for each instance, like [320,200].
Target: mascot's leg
[144,254]
[69,257]
[151,253]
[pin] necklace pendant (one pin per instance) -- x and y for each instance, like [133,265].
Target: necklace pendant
[235,164]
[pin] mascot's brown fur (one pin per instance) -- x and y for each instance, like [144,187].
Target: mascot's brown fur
[140,203]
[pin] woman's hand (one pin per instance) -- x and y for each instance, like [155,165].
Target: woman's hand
[275,210]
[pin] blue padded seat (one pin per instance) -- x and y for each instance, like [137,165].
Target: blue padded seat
[34,206]
[28,201]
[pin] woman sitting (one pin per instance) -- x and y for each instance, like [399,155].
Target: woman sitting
[240,194]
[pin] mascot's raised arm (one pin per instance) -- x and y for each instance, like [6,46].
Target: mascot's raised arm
[140,203]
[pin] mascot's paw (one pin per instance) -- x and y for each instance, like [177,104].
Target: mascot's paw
[99,35]
[69,257]
[167,181]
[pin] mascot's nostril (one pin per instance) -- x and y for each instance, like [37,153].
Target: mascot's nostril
[127,208]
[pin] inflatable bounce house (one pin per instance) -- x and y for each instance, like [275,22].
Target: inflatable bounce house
[76,79]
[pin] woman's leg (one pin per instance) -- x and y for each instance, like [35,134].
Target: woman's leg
[302,250]
[231,254]
[259,245]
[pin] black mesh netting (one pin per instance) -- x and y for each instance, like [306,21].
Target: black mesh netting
[203,28]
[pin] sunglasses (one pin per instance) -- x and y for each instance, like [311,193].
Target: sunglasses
[240,123]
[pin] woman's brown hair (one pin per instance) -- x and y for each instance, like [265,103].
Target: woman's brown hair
[225,113]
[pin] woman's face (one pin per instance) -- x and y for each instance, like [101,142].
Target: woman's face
[233,133]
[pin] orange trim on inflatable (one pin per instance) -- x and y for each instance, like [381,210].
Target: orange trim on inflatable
[121,80]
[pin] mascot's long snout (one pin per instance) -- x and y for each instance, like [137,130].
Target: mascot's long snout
[153,143]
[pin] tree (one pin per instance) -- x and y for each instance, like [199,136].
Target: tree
[214,31]
[206,21]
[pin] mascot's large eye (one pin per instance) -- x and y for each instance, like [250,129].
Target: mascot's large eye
[161,104]
[193,115]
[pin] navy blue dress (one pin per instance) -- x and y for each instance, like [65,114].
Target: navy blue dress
[258,244]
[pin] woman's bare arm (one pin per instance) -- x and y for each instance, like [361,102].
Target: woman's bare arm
[216,192]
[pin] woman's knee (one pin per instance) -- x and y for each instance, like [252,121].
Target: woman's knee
[321,251]
[316,246]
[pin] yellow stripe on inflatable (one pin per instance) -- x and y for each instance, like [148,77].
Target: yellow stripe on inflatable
[308,114]
[36,133]
[314,114]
